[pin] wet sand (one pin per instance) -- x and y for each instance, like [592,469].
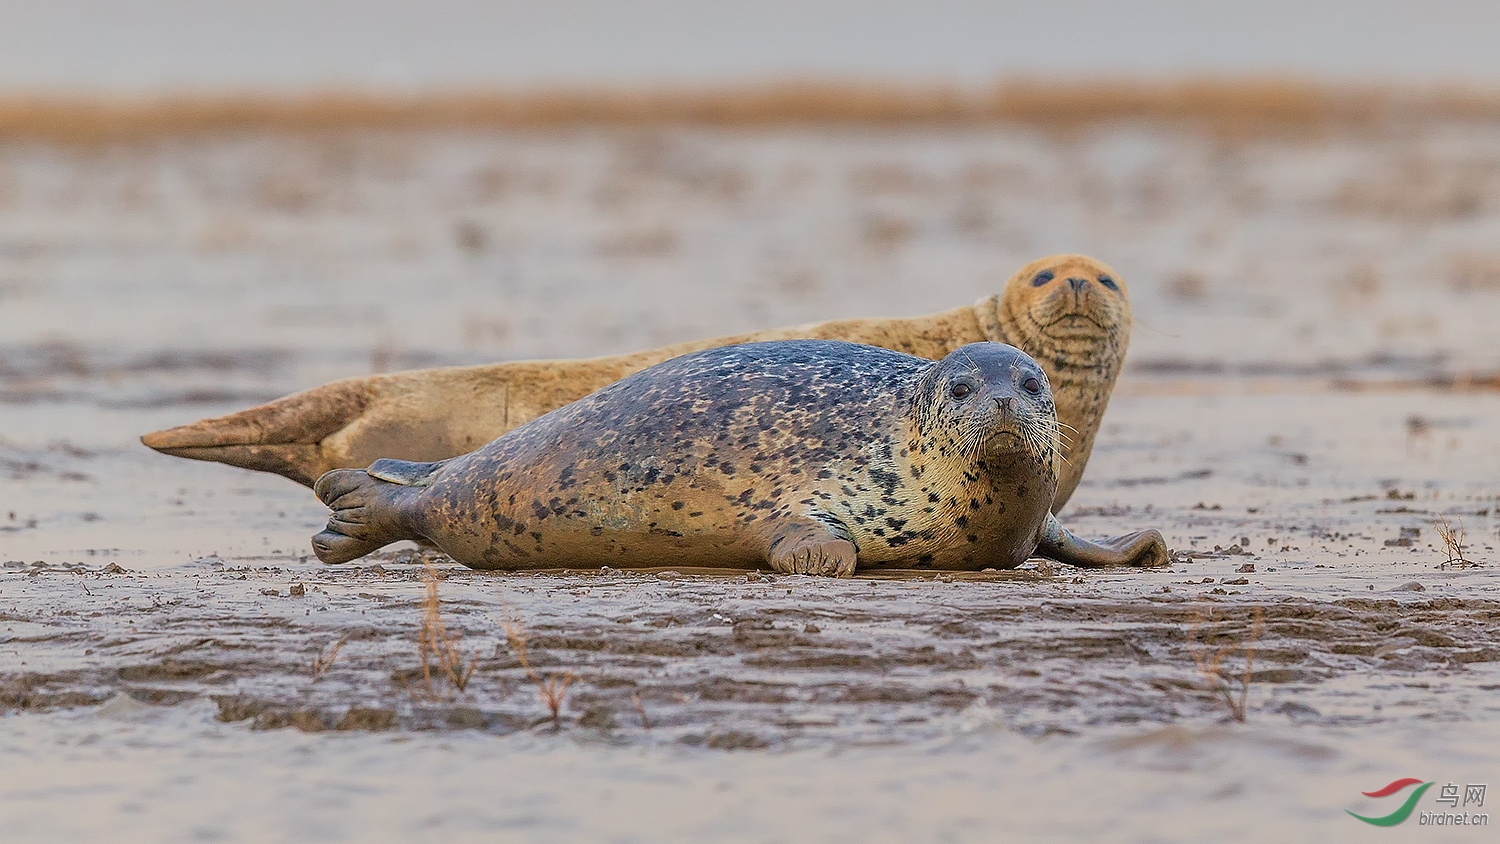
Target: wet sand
[1288,418]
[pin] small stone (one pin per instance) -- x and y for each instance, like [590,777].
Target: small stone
[123,707]
[467,718]
[736,740]
[1238,581]
[359,718]
[1405,539]
[1246,568]
[597,718]
[114,568]
[272,592]
[297,591]
[811,628]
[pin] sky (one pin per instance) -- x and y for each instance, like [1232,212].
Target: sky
[155,46]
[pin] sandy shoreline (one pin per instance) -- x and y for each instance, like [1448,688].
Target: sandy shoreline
[1295,296]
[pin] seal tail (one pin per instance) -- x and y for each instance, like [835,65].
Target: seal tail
[366,507]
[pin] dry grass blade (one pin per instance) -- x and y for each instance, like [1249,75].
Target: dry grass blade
[437,643]
[553,690]
[1453,543]
[1210,663]
[324,660]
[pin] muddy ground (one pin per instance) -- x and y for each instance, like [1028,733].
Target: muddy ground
[1307,396]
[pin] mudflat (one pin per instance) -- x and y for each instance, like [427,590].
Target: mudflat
[1309,404]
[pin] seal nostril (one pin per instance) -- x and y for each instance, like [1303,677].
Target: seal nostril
[1078,283]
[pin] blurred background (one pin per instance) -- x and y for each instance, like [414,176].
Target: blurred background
[205,206]
[150,46]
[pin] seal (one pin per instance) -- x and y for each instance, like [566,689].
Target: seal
[806,457]
[1071,312]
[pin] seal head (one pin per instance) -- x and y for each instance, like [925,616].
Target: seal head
[1072,313]
[1074,306]
[988,400]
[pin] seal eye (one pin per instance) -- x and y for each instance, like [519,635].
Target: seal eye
[1032,386]
[960,390]
[1109,282]
[1042,278]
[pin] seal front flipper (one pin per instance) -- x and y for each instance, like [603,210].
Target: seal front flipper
[366,514]
[1142,548]
[807,545]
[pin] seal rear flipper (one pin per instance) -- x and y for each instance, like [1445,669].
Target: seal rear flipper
[807,545]
[404,472]
[1142,548]
[365,515]
[281,437]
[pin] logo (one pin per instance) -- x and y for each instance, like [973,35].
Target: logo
[1473,795]
[1402,813]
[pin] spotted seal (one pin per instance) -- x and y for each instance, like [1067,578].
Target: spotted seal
[809,457]
[1070,312]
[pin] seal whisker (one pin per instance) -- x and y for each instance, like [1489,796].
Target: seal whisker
[972,364]
[972,441]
